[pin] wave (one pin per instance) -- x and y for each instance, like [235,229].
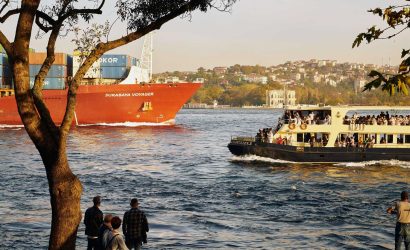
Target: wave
[131,124]
[253,158]
[392,163]
[388,163]
[11,127]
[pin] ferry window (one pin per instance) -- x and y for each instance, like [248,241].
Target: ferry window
[307,137]
[299,137]
[382,138]
[407,139]
[400,139]
[389,138]
[371,136]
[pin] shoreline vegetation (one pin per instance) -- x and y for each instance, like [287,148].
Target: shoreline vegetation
[316,81]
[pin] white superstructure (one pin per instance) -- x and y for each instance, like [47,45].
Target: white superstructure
[346,126]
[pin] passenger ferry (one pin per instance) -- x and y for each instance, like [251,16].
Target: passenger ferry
[332,134]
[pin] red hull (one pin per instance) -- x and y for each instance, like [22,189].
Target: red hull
[107,104]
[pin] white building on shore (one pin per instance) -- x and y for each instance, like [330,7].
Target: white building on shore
[280,98]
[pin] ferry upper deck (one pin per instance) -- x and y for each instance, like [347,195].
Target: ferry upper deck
[326,126]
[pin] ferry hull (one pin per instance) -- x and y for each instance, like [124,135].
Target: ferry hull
[110,104]
[319,155]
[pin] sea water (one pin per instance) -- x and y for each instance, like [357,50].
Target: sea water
[196,194]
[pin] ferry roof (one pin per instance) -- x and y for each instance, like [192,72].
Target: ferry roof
[346,108]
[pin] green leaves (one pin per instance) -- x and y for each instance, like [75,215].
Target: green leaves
[372,34]
[139,14]
[397,19]
[393,84]
[405,52]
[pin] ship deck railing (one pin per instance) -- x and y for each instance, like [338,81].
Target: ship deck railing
[243,138]
[315,122]
[6,92]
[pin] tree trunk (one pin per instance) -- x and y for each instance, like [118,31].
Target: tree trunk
[65,188]
[65,194]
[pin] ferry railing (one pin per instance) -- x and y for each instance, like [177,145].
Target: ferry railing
[316,122]
[243,138]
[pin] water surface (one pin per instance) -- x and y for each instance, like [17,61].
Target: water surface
[197,195]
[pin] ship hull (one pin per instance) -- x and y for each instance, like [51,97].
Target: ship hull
[319,155]
[111,104]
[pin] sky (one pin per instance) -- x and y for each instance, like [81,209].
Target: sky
[264,32]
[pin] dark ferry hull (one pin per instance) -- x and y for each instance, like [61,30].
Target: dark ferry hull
[316,154]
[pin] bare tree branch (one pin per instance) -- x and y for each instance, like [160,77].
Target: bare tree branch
[7,45]
[39,82]
[9,14]
[75,12]
[6,3]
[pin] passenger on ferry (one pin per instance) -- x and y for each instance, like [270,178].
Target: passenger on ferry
[370,143]
[258,137]
[360,143]
[325,139]
[270,136]
[328,120]
[312,141]
[279,140]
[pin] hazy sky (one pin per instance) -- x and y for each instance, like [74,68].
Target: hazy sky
[265,32]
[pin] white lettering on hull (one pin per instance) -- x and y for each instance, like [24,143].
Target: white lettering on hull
[135,94]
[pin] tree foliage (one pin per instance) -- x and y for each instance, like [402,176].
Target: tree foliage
[397,20]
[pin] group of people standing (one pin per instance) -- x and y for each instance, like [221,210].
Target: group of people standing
[103,232]
[381,119]
[266,135]
[313,117]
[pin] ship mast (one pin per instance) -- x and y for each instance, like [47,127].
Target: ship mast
[146,55]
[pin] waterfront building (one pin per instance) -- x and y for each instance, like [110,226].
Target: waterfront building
[359,84]
[255,78]
[220,70]
[280,98]
[199,80]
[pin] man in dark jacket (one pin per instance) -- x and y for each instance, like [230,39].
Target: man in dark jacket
[93,219]
[135,226]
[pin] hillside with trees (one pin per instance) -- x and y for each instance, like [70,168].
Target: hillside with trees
[315,81]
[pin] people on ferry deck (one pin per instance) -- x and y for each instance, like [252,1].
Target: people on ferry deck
[402,211]
[381,119]
[270,136]
[258,137]
[279,140]
[312,141]
[372,141]
[325,139]
[360,143]
[383,140]
[328,120]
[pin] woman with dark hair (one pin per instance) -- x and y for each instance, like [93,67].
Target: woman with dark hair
[115,241]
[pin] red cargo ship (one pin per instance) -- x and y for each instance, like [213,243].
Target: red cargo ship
[105,97]
[111,104]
